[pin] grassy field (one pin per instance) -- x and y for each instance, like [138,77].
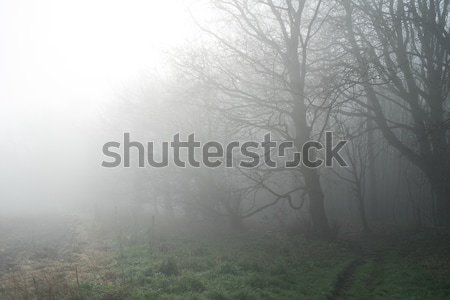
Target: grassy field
[245,267]
[279,267]
[404,268]
[253,266]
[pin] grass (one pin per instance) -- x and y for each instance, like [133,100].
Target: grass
[405,269]
[251,266]
[397,278]
[244,267]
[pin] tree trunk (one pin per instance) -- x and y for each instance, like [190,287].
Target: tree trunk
[362,212]
[372,186]
[320,225]
[316,203]
[441,191]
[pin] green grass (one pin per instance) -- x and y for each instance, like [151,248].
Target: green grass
[397,278]
[244,267]
[268,267]
[405,270]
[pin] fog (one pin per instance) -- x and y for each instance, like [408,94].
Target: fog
[63,66]
[226,149]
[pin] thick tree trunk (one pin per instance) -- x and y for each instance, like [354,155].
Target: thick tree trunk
[320,225]
[316,203]
[442,209]
[441,192]
[297,70]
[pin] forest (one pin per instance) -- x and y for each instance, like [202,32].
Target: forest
[225,149]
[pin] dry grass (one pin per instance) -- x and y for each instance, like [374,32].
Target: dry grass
[51,260]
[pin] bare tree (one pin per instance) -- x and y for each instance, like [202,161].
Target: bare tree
[262,72]
[401,60]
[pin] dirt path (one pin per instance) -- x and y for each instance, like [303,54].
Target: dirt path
[345,279]
[364,252]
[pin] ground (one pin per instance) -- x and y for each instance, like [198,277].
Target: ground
[249,265]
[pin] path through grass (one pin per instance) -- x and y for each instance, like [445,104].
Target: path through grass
[255,266]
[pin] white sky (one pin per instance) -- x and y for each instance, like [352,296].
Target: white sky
[57,52]
[61,61]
